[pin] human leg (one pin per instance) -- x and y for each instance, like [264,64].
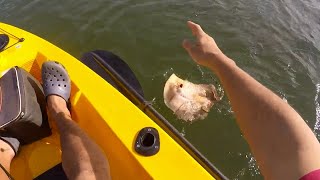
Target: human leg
[82,158]
[6,155]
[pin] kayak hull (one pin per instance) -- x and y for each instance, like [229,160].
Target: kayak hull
[107,116]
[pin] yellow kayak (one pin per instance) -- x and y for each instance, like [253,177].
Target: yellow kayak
[112,119]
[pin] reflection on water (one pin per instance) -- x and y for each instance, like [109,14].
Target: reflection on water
[277,42]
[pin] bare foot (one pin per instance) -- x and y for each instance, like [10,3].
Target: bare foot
[56,105]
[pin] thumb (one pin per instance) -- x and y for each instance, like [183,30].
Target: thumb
[187,44]
[190,48]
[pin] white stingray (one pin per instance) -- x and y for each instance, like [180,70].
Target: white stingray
[187,100]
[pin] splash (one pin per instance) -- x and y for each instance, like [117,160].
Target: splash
[183,132]
[168,73]
[316,127]
[252,169]
[201,71]
[252,164]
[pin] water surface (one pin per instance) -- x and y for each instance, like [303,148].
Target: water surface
[277,42]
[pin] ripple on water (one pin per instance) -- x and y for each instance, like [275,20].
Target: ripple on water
[278,42]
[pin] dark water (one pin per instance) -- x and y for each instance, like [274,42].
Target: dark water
[277,42]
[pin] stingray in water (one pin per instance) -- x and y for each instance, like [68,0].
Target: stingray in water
[187,100]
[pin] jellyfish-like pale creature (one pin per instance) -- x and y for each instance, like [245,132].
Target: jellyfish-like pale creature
[189,101]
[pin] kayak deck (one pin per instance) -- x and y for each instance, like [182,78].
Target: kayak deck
[108,117]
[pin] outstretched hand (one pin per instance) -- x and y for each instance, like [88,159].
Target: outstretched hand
[205,50]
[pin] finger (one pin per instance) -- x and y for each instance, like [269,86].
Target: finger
[196,29]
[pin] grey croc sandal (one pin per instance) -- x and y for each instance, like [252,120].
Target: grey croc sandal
[56,80]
